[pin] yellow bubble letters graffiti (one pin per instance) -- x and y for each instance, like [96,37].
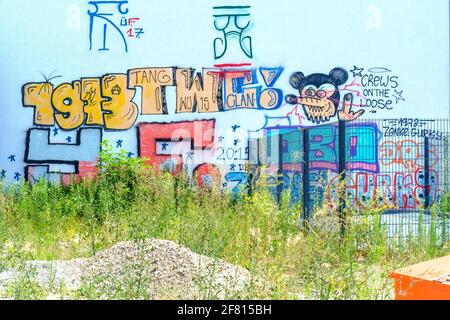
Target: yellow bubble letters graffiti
[120,112]
[201,93]
[39,95]
[69,106]
[269,98]
[90,94]
[153,82]
[108,100]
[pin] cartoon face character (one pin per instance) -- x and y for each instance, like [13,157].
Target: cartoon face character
[319,93]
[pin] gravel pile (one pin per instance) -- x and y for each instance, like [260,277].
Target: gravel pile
[153,269]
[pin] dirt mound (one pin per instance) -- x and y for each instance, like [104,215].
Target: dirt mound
[152,269]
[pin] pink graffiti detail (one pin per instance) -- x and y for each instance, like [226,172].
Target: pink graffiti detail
[408,153]
[397,190]
[348,87]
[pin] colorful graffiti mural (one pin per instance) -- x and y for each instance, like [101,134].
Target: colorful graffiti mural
[107,103]
[195,146]
[108,100]
[191,95]
[379,170]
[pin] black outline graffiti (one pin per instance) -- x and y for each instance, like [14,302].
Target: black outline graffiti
[75,163]
[247,51]
[163,88]
[192,75]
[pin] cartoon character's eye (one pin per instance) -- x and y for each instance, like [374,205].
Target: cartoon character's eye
[310,92]
[328,88]
[321,93]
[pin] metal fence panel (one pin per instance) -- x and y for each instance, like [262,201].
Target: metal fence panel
[399,166]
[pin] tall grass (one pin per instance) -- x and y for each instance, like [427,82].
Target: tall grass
[129,200]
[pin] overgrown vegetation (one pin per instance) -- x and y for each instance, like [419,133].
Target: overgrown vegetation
[128,200]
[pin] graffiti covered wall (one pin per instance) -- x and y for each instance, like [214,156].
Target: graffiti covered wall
[185,84]
[394,163]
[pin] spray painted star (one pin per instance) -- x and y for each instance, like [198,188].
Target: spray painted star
[164,146]
[235,127]
[130,154]
[357,71]
[398,96]
[55,131]
[17,176]
[2,174]
[12,158]
[69,139]
[119,143]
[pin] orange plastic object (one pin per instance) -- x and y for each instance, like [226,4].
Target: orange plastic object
[429,280]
